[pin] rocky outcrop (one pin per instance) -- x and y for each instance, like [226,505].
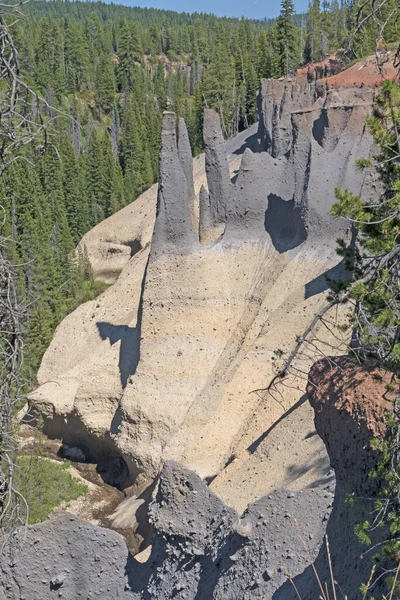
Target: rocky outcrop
[351,407]
[201,548]
[64,557]
[205,217]
[319,132]
[173,229]
[185,156]
[190,328]
[274,218]
[115,242]
[246,209]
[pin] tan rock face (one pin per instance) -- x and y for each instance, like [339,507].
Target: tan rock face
[114,241]
[165,363]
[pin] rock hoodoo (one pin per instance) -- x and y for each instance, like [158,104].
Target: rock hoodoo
[192,322]
[185,156]
[217,176]
[173,229]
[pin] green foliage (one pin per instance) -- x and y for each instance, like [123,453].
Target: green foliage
[286,37]
[101,51]
[361,532]
[375,294]
[313,47]
[366,40]
[375,290]
[45,484]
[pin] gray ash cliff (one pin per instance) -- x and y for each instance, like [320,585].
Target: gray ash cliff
[173,228]
[317,130]
[309,137]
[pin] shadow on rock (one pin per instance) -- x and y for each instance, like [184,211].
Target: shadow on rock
[253,447]
[252,142]
[284,224]
[129,352]
[321,284]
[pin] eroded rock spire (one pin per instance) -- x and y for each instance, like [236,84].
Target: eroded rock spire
[186,158]
[173,230]
[246,210]
[217,173]
[206,228]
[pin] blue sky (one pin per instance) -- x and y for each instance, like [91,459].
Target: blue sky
[253,9]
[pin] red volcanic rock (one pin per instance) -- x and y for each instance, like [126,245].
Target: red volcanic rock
[319,70]
[332,73]
[351,406]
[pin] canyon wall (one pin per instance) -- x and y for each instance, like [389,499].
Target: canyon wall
[166,364]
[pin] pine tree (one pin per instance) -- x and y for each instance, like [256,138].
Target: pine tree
[117,195]
[76,57]
[336,29]
[130,50]
[160,87]
[326,28]
[218,84]
[105,84]
[286,37]
[48,57]
[312,50]
[74,191]
[97,180]
[115,130]
[263,56]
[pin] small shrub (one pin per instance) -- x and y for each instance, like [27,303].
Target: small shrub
[44,485]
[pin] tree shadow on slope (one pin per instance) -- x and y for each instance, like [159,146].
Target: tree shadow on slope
[253,447]
[129,352]
[284,224]
[321,283]
[337,273]
[319,464]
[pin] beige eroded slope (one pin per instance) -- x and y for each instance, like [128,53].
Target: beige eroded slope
[213,315]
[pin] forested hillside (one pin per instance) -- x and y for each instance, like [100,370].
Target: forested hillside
[106,73]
